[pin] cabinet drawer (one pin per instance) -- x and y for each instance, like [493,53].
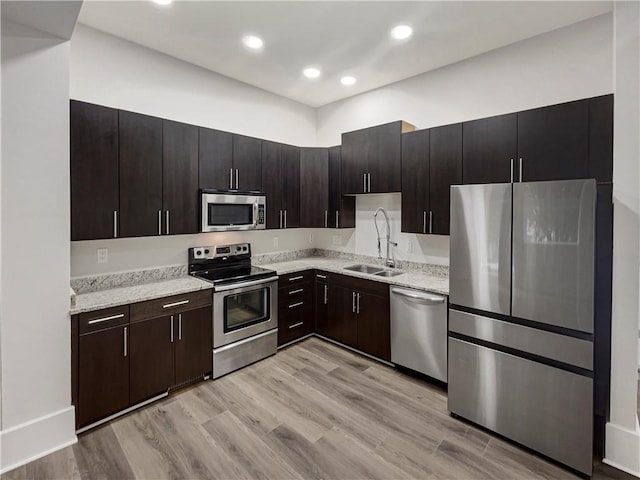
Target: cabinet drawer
[169,305]
[297,301]
[295,293]
[101,319]
[295,278]
[295,324]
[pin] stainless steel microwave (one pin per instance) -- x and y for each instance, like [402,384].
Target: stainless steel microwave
[223,211]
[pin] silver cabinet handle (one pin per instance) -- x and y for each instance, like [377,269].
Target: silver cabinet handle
[321,276]
[326,218]
[167,222]
[353,302]
[237,179]
[293,292]
[512,170]
[293,279]
[424,221]
[285,219]
[326,294]
[430,221]
[279,218]
[179,326]
[175,304]
[296,325]
[231,178]
[105,319]
[159,222]
[520,168]
[125,341]
[369,183]
[337,213]
[115,224]
[364,182]
[171,328]
[358,305]
[294,305]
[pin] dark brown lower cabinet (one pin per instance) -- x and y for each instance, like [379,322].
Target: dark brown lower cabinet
[321,303]
[193,357]
[295,309]
[103,376]
[373,325]
[152,359]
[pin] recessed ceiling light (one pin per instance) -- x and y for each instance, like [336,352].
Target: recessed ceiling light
[164,3]
[311,72]
[348,80]
[253,42]
[400,32]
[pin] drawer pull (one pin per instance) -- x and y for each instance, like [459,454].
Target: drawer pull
[296,325]
[106,319]
[321,276]
[293,292]
[293,279]
[175,304]
[294,305]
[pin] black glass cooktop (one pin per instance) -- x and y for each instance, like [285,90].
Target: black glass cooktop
[233,274]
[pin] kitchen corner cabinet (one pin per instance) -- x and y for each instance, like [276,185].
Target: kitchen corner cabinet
[342,209]
[140,139]
[371,158]
[281,184]
[94,171]
[314,187]
[180,200]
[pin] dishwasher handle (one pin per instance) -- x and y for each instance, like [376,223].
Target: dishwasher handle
[417,295]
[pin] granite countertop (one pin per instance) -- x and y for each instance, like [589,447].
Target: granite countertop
[113,297]
[410,278]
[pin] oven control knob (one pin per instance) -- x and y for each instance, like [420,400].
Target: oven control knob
[206,251]
[244,248]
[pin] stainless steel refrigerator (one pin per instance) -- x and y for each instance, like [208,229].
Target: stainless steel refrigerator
[521,313]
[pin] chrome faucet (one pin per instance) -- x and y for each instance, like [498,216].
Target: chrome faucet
[388,262]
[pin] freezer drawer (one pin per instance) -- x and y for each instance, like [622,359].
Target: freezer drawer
[544,408]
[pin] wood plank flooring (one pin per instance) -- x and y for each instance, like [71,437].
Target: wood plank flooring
[313,411]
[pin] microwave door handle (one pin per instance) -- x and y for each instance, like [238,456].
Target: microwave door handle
[255,214]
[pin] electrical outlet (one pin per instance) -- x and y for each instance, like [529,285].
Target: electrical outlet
[275,241]
[103,255]
[311,238]
[337,239]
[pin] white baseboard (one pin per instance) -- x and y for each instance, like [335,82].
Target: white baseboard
[622,449]
[37,438]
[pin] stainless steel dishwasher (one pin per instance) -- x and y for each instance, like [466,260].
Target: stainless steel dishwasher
[419,331]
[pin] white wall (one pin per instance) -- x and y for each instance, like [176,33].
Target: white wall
[34,229]
[623,433]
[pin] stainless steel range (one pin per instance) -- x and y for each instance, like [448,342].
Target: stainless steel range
[245,305]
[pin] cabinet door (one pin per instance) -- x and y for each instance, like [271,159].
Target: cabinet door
[489,146]
[215,158]
[601,138]
[103,374]
[140,138]
[445,169]
[342,209]
[373,326]
[322,308]
[314,187]
[356,147]
[553,142]
[94,171]
[415,181]
[179,178]
[272,182]
[385,160]
[152,357]
[290,185]
[194,344]
[247,162]
[342,302]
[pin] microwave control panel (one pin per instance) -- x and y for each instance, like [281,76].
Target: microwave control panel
[260,214]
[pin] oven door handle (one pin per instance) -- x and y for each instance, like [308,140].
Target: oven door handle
[233,286]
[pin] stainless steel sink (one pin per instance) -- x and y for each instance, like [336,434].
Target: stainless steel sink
[388,273]
[364,269]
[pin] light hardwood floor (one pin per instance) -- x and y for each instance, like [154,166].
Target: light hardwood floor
[313,411]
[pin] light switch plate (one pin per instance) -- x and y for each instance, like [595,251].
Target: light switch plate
[103,255]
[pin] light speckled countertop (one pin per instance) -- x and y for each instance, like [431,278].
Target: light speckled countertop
[410,278]
[86,302]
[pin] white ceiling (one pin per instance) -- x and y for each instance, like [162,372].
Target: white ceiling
[339,37]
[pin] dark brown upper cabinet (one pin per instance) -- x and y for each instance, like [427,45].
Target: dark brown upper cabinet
[179,178]
[553,142]
[94,171]
[371,158]
[445,169]
[281,184]
[314,187]
[215,158]
[247,163]
[415,182]
[140,138]
[342,209]
[601,138]
[489,149]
